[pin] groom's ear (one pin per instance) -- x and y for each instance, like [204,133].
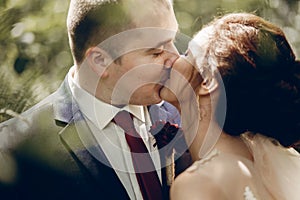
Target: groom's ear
[208,86]
[98,61]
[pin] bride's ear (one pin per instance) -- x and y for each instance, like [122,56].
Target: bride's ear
[98,61]
[208,86]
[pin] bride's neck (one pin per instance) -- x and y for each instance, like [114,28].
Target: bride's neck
[207,126]
[210,136]
[233,145]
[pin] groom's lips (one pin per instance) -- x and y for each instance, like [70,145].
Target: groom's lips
[165,75]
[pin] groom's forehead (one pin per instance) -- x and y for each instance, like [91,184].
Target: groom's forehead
[154,13]
[137,39]
[149,3]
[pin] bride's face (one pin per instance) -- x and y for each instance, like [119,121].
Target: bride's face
[185,79]
[183,82]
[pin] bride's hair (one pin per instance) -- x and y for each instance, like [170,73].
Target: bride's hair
[260,75]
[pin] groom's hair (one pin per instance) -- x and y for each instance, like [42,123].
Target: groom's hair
[90,22]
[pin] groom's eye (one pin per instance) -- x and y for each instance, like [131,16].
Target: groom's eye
[158,51]
[156,54]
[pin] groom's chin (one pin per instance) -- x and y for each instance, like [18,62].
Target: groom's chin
[167,95]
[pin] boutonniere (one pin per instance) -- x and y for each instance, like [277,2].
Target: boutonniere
[164,133]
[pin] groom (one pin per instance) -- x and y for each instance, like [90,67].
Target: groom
[70,145]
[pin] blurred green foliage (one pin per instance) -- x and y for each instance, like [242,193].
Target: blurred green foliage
[35,53]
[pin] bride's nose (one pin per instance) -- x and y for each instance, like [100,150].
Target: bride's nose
[181,63]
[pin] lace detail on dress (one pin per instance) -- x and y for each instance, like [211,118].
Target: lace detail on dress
[203,161]
[248,194]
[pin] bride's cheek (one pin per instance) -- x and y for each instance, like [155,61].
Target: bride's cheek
[168,95]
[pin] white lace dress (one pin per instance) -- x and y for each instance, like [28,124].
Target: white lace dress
[274,172]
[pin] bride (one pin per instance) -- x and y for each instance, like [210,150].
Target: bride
[249,70]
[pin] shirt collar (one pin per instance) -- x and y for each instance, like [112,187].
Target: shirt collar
[160,103]
[99,112]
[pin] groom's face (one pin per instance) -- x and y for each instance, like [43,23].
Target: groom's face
[149,53]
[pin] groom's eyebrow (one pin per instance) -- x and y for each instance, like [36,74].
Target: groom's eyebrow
[159,45]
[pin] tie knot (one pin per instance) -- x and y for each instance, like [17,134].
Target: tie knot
[125,120]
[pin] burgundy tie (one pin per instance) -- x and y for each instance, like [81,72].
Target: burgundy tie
[148,181]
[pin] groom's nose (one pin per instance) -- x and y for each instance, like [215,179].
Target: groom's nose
[173,49]
[173,55]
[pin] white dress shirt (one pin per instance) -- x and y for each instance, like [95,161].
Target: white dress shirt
[111,137]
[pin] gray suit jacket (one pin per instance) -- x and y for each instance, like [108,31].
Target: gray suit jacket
[44,154]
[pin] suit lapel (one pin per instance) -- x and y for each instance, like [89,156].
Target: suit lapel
[76,135]
[90,160]
[71,140]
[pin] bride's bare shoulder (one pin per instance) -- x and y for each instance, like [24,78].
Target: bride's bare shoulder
[195,186]
[205,178]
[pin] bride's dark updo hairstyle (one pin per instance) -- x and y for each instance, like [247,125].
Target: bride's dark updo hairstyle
[260,75]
